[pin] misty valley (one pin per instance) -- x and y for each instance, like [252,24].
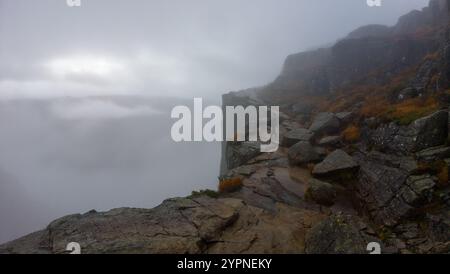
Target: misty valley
[69,155]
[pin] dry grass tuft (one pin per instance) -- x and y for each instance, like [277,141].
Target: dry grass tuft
[230,185]
[351,134]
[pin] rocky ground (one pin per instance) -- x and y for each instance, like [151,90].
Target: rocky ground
[340,180]
[318,195]
[365,194]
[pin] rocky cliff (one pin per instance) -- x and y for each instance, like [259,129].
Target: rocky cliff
[364,157]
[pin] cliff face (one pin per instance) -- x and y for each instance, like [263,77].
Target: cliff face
[364,157]
[358,57]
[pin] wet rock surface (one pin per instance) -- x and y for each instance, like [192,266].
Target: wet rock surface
[337,161]
[297,135]
[201,225]
[303,153]
[321,192]
[339,234]
[423,133]
[325,122]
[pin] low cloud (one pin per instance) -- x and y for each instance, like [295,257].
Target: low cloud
[178,47]
[98,109]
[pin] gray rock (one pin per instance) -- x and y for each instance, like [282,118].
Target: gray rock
[321,192]
[408,93]
[337,161]
[325,122]
[330,141]
[239,153]
[290,125]
[406,164]
[303,153]
[385,189]
[180,226]
[419,191]
[433,154]
[340,234]
[344,117]
[429,131]
[266,193]
[297,135]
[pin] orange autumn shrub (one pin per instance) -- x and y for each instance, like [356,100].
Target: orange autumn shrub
[351,134]
[409,110]
[432,56]
[230,185]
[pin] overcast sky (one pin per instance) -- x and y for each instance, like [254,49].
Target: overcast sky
[166,47]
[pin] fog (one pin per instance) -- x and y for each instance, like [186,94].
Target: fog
[68,156]
[86,92]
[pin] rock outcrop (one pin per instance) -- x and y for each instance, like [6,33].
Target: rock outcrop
[183,225]
[423,133]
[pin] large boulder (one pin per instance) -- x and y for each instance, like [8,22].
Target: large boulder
[426,132]
[336,162]
[431,130]
[325,122]
[321,192]
[297,135]
[303,153]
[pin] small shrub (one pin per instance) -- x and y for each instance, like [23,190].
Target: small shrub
[230,185]
[410,110]
[204,192]
[351,134]
[373,106]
